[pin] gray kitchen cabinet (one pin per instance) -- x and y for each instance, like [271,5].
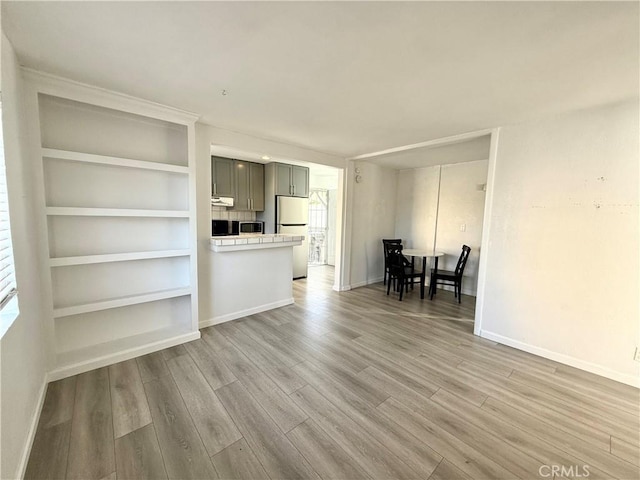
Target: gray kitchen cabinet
[256,179]
[249,186]
[223,179]
[283,179]
[300,181]
[292,180]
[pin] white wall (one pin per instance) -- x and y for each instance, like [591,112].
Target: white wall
[373,209]
[433,203]
[417,207]
[23,349]
[562,259]
[461,204]
[323,180]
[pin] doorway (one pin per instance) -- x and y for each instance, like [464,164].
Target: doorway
[323,221]
[318,226]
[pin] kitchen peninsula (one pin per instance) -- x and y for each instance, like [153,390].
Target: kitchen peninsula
[250,274]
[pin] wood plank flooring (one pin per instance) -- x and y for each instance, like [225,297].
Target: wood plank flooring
[351,385]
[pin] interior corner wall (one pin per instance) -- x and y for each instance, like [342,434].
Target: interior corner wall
[460,215]
[417,202]
[562,272]
[23,347]
[203,219]
[373,213]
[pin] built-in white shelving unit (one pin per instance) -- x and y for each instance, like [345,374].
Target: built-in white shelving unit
[117,184]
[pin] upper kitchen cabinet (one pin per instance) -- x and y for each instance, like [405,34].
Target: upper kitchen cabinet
[222,177]
[291,180]
[256,178]
[300,181]
[249,186]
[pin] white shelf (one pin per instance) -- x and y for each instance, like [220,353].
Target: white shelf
[115,212]
[116,257]
[99,355]
[120,302]
[114,161]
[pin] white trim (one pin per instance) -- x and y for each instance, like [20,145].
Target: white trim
[429,143]
[119,356]
[486,231]
[365,283]
[81,92]
[594,368]
[339,260]
[244,313]
[449,288]
[341,288]
[33,427]
[347,227]
[52,153]
[435,230]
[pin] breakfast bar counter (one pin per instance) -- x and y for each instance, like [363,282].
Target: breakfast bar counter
[248,274]
[230,243]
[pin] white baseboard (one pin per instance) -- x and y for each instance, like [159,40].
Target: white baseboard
[365,283]
[26,451]
[465,291]
[121,356]
[244,313]
[565,359]
[343,288]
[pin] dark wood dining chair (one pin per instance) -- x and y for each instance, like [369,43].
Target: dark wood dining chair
[385,242]
[401,270]
[445,277]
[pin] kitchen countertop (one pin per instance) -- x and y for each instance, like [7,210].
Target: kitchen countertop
[231,243]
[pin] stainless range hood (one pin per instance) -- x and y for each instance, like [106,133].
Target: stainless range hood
[222,201]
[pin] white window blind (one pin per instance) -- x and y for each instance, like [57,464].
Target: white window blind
[7,271]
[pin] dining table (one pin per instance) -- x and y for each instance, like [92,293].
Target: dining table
[425,254]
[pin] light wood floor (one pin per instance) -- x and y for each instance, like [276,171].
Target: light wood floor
[340,385]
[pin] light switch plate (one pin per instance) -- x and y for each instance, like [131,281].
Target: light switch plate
[636,356]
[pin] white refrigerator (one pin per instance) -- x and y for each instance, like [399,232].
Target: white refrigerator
[292,217]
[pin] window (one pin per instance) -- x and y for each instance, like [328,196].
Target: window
[8,299]
[318,218]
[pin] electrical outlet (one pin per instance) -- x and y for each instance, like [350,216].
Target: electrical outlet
[636,356]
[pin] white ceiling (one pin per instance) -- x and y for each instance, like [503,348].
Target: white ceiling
[466,151]
[343,78]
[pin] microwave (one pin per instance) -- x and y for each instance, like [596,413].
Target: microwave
[248,228]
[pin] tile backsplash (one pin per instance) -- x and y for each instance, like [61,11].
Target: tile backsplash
[221,213]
